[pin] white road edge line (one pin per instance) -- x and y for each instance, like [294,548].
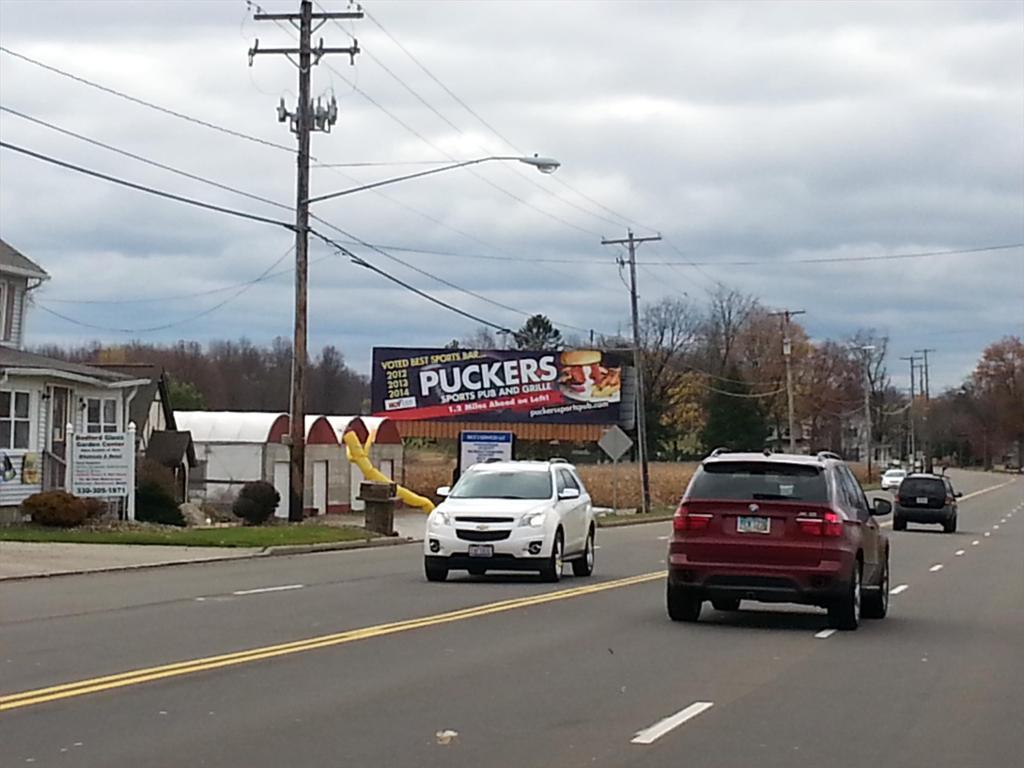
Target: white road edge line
[825,634]
[900,588]
[985,490]
[936,568]
[261,590]
[959,552]
[660,728]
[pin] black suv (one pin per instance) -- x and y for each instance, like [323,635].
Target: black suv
[928,499]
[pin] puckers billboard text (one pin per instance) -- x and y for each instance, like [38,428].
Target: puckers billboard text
[496,385]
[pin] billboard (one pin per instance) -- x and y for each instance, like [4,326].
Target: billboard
[567,387]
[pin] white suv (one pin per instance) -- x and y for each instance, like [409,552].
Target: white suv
[512,516]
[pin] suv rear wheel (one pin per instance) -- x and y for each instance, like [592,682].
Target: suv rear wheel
[950,527]
[876,604]
[844,613]
[899,524]
[682,605]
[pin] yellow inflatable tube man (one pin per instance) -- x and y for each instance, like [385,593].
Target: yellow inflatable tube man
[359,455]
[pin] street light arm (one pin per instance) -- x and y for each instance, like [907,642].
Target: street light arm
[544,165]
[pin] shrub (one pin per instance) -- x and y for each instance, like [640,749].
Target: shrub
[153,504]
[152,472]
[57,509]
[94,508]
[256,502]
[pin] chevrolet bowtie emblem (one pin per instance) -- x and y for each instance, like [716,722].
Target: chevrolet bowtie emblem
[753,508]
[481,527]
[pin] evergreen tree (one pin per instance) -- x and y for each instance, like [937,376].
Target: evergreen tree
[538,333]
[735,420]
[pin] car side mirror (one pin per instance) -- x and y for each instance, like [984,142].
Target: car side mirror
[959,494]
[569,493]
[881,508]
[444,490]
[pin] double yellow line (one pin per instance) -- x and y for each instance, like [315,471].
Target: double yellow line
[150,674]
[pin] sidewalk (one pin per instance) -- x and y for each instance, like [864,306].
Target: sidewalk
[21,559]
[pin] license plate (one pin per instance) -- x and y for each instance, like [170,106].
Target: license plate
[922,500]
[481,550]
[754,525]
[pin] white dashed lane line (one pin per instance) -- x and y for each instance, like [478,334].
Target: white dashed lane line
[959,552]
[825,634]
[899,589]
[261,590]
[660,728]
[975,543]
[987,534]
[936,568]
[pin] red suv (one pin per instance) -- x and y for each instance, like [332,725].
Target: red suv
[778,528]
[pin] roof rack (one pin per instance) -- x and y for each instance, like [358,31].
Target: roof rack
[829,455]
[719,451]
[557,460]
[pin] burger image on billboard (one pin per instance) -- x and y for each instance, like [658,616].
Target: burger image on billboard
[584,378]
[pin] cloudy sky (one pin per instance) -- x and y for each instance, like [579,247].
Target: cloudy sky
[742,132]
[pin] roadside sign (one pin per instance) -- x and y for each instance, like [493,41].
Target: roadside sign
[478,447]
[615,443]
[100,465]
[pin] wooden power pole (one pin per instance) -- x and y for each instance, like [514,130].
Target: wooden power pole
[641,418]
[306,118]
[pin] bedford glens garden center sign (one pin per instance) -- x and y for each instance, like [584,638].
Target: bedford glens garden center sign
[576,386]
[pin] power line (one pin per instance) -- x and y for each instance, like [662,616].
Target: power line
[232,132]
[497,133]
[142,159]
[151,329]
[432,145]
[443,281]
[440,302]
[840,259]
[235,190]
[143,188]
[151,105]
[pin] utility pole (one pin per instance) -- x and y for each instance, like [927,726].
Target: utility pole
[913,394]
[787,353]
[304,120]
[926,433]
[641,419]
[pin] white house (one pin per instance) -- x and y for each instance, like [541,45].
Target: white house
[40,396]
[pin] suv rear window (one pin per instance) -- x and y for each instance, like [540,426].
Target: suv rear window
[757,481]
[923,486]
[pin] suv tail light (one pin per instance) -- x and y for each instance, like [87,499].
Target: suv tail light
[829,525]
[686,521]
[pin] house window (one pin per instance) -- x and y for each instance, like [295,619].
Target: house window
[100,415]
[5,332]
[15,423]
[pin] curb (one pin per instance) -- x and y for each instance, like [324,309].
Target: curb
[625,523]
[335,546]
[279,551]
[131,567]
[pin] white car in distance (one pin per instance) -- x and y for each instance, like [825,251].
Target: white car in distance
[512,516]
[892,478]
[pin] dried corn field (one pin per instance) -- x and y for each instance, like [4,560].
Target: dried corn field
[424,474]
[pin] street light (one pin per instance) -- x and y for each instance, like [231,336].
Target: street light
[545,165]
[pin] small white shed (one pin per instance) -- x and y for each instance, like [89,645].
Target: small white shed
[234,445]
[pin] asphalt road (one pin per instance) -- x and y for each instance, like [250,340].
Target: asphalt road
[352,659]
